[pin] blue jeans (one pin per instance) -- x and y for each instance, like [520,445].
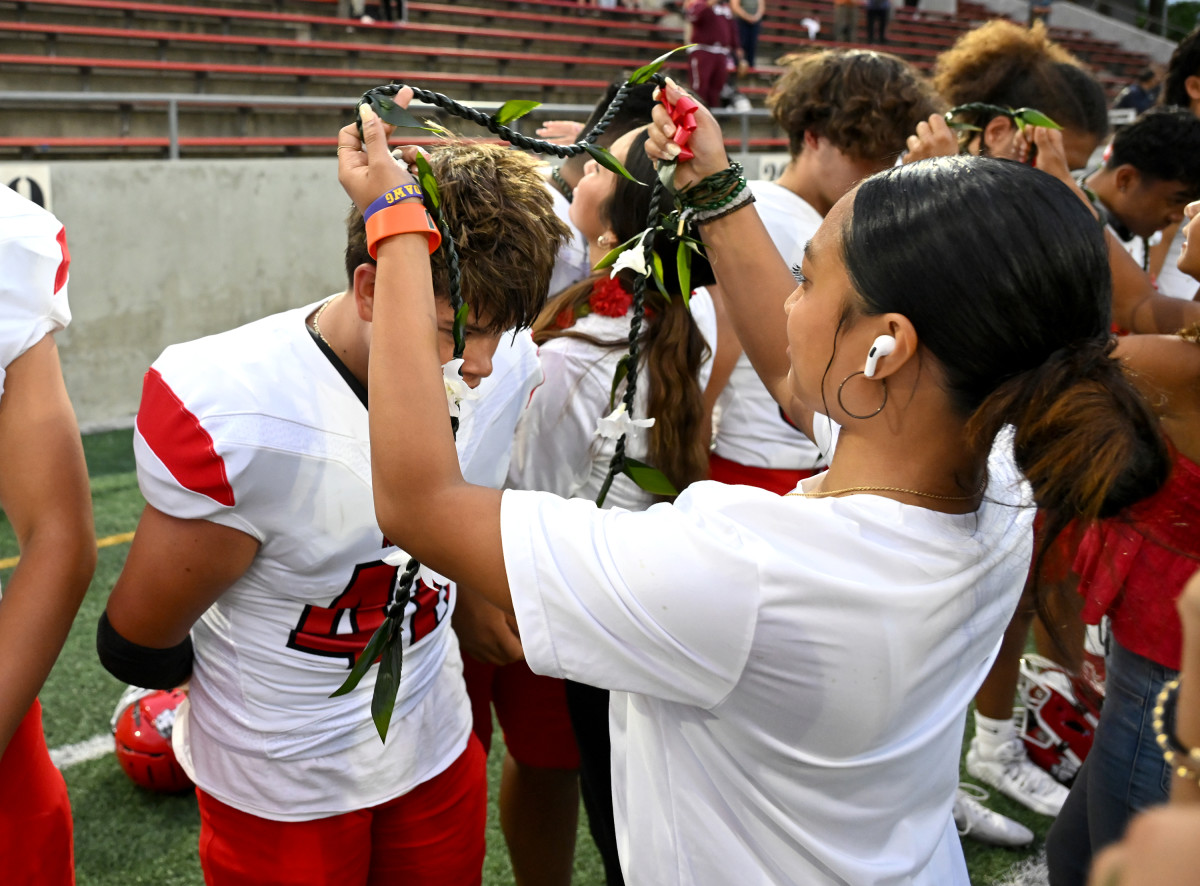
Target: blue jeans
[1124,772]
[748,39]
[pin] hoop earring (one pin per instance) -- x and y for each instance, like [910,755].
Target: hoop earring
[882,381]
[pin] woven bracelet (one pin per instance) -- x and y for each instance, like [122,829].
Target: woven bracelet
[708,193]
[1184,761]
[744,199]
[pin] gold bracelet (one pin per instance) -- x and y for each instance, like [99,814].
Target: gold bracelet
[1184,761]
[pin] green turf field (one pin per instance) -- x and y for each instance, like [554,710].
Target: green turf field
[124,835]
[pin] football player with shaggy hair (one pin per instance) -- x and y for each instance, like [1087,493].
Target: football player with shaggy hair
[258,570]
[847,115]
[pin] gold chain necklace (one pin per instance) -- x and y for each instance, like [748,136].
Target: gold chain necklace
[316,322]
[831,492]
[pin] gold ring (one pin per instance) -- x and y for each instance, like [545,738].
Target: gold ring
[345,148]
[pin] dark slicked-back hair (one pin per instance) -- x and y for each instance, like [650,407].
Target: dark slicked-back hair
[496,204]
[866,103]
[1162,144]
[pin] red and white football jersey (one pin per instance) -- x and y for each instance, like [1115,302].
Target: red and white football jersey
[33,285]
[750,430]
[256,430]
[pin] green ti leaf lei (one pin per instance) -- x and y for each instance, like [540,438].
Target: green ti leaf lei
[386,644]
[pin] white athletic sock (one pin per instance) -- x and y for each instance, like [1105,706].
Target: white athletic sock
[991,734]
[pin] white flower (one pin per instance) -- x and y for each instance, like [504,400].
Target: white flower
[633,258]
[457,390]
[618,423]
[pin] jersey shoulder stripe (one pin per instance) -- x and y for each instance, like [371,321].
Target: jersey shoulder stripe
[60,276]
[181,443]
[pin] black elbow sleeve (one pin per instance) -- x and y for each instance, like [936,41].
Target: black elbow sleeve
[141,665]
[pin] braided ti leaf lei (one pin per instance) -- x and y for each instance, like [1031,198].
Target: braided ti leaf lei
[387,642]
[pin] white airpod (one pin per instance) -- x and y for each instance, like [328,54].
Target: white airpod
[881,347]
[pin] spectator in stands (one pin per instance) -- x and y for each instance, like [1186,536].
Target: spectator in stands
[715,51]
[1140,95]
[1151,172]
[355,9]
[44,494]
[749,22]
[878,13]
[845,20]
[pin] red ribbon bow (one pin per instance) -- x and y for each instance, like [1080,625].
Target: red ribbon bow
[683,115]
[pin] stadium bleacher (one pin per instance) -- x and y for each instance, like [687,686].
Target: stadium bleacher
[120,56]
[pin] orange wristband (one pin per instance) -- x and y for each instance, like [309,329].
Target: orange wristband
[401,218]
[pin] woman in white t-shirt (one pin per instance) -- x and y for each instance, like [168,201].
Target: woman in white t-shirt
[791,673]
[582,335]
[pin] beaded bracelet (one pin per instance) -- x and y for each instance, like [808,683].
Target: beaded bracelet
[711,192]
[743,198]
[392,197]
[401,218]
[1183,760]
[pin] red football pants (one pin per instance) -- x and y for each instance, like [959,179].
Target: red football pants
[532,711]
[709,72]
[431,836]
[778,480]
[36,847]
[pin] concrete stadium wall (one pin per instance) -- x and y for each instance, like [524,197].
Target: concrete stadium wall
[163,252]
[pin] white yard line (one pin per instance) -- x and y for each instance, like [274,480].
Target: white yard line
[90,749]
[1030,872]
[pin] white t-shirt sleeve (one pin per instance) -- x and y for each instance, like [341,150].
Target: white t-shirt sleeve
[33,285]
[662,602]
[553,446]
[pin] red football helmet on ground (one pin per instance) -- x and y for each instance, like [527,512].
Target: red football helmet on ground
[1060,716]
[142,726]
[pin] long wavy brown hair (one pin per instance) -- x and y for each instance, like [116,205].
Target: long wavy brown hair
[672,348]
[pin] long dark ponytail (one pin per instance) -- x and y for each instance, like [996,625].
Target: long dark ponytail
[1004,275]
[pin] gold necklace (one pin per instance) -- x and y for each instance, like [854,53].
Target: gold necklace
[827,494]
[316,322]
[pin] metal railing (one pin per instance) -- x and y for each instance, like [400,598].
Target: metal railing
[171,103]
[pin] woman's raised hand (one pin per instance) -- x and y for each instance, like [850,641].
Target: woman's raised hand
[706,143]
[367,168]
[933,138]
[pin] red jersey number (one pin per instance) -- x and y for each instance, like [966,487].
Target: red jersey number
[343,629]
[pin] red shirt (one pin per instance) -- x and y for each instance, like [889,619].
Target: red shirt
[1134,567]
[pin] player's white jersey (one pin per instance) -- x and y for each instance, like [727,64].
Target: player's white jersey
[556,447]
[255,429]
[33,285]
[750,429]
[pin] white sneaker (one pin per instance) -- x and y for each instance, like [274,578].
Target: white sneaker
[366,19]
[976,821]
[1013,774]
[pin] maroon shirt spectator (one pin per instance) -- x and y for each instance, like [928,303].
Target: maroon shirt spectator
[714,33]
